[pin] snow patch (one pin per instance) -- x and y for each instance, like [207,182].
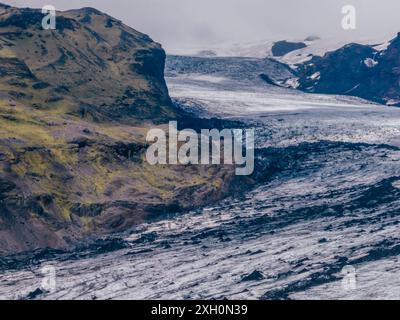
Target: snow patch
[370,63]
[315,76]
[382,46]
[393,102]
[293,83]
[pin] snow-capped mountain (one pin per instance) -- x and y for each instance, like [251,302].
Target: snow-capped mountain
[367,68]
[370,72]
[302,49]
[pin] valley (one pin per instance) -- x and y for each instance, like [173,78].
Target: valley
[327,201]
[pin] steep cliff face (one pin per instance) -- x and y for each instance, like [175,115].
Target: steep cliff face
[357,70]
[75,106]
[102,67]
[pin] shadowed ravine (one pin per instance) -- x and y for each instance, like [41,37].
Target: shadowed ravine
[328,198]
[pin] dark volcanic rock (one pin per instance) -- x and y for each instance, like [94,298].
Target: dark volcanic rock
[14,67]
[254,276]
[281,48]
[357,70]
[338,72]
[6,186]
[35,294]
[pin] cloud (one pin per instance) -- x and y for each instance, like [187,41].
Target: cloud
[185,23]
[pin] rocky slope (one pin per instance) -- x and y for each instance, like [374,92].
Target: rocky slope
[75,106]
[90,57]
[358,70]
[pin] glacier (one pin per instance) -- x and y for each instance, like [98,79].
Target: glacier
[329,200]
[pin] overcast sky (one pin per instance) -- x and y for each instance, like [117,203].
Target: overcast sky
[185,23]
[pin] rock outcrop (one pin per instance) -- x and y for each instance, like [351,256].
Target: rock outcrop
[357,70]
[105,69]
[281,48]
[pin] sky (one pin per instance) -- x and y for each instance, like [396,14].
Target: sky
[201,23]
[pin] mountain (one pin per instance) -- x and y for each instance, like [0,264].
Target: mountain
[91,57]
[288,51]
[75,106]
[355,69]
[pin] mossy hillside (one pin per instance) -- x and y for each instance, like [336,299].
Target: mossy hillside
[74,162]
